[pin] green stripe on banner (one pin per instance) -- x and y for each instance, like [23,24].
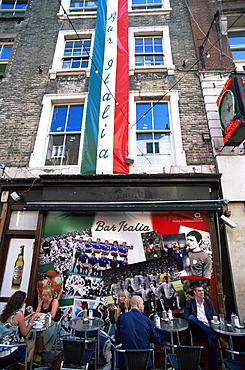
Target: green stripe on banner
[89,157]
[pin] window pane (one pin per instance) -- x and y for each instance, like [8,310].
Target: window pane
[238,55]
[145,123]
[71,149]
[56,150]
[74,122]
[161,116]
[137,2]
[23,220]
[59,119]
[5,51]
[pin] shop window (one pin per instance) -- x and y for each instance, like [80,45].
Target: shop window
[5,51]
[72,53]
[65,135]
[149,48]
[153,134]
[13,7]
[237,45]
[23,220]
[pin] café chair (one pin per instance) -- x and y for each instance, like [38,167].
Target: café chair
[21,361]
[232,360]
[76,355]
[184,357]
[136,358]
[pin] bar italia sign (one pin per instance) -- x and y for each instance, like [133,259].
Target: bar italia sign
[231,106]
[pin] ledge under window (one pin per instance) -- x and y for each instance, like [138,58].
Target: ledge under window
[68,72]
[146,69]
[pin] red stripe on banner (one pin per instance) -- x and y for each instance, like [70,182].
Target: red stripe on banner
[120,150]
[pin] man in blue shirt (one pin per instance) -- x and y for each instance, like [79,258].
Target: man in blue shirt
[135,331]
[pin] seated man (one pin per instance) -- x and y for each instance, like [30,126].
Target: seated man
[199,312]
[135,331]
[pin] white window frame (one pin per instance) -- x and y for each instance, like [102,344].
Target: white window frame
[64,36]
[6,61]
[38,156]
[240,64]
[178,154]
[166,9]
[163,32]
[65,5]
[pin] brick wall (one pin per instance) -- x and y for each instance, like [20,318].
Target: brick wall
[23,87]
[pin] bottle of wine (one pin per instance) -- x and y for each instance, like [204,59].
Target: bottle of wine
[18,269]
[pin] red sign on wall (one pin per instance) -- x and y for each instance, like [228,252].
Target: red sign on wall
[231,105]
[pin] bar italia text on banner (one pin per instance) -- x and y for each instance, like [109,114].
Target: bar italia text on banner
[105,144]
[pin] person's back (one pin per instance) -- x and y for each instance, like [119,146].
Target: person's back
[135,330]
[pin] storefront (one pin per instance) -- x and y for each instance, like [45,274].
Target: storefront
[145,214]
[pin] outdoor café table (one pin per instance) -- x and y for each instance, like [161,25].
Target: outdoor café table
[34,330]
[87,325]
[173,326]
[229,330]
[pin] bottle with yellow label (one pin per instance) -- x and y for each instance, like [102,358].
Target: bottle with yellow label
[18,269]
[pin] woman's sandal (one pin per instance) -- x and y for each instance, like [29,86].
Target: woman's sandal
[37,358]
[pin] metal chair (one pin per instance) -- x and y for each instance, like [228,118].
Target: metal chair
[76,355]
[57,343]
[184,357]
[22,360]
[136,358]
[232,360]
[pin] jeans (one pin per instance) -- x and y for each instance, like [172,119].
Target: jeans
[204,332]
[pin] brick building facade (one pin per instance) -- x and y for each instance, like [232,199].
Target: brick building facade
[217,26]
[33,82]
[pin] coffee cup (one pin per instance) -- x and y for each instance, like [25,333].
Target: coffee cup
[215,318]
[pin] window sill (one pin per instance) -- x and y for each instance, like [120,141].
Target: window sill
[149,12]
[15,17]
[53,73]
[148,69]
[73,15]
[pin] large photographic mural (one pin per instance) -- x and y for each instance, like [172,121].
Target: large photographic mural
[160,256]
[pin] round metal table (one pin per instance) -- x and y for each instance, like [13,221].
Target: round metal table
[87,325]
[229,330]
[173,326]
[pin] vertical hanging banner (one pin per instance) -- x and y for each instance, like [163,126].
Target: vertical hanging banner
[105,144]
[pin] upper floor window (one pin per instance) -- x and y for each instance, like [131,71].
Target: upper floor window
[149,48]
[148,51]
[237,45]
[78,8]
[153,134]
[13,7]
[65,135]
[83,5]
[5,51]
[76,54]
[72,53]
[147,4]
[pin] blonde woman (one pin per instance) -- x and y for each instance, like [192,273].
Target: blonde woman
[123,303]
[45,339]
